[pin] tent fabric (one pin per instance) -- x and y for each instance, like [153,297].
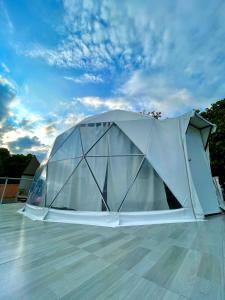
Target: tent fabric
[70,148]
[81,190]
[149,189]
[115,115]
[58,172]
[91,134]
[60,140]
[201,172]
[133,132]
[122,163]
[109,219]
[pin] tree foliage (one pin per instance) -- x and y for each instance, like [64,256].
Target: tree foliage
[12,165]
[154,114]
[216,114]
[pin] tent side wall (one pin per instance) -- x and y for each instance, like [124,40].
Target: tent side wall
[167,155]
[164,144]
[200,170]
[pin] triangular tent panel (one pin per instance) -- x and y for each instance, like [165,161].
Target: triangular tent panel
[149,189]
[60,140]
[98,168]
[71,148]
[82,193]
[91,133]
[114,142]
[116,174]
[138,132]
[58,172]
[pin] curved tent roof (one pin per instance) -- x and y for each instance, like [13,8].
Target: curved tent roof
[115,115]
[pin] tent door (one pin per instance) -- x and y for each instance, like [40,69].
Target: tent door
[201,173]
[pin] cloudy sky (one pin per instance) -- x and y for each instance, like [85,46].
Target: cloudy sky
[63,60]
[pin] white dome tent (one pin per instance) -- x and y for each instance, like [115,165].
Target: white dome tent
[122,168]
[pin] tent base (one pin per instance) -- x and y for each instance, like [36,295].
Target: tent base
[108,219]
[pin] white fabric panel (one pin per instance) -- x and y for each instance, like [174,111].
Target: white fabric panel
[121,173]
[109,219]
[161,137]
[80,192]
[156,217]
[138,132]
[57,174]
[90,133]
[114,142]
[71,148]
[119,143]
[60,140]
[98,167]
[166,155]
[201,173]
[147,192]
[121,170]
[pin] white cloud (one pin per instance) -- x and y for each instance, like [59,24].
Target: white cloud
[20,111]
[5,68]
[4,13]
[72,119]
[105,103]
[179,66]
[142,91]
[85,78]
[146,35]
[7,95]
[114,35]
[157,93]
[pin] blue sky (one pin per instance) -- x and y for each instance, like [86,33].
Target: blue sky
[63,60]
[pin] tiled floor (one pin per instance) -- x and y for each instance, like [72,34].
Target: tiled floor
[40,260]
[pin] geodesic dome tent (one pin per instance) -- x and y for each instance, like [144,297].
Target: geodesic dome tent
[124,168]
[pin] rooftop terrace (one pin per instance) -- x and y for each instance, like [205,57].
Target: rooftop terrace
[40,260]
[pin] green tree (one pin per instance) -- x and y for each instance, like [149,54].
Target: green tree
[12,165]
[4,158]
[154,114]
[17,164]
[216,114]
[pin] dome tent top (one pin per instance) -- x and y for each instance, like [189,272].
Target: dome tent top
[115,115]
